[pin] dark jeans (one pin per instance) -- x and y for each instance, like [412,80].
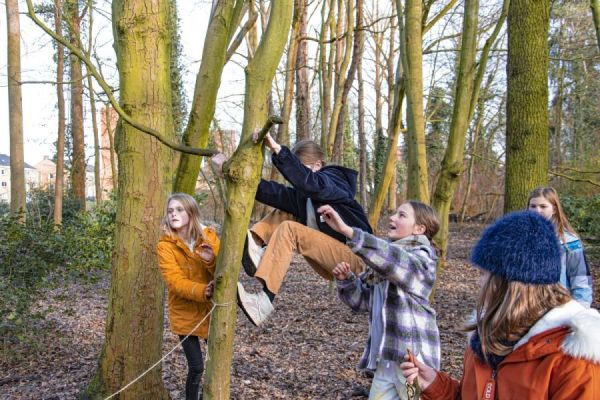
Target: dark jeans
[193,354]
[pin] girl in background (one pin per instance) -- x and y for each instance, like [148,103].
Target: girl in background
[395,289]
[574,274]
[529,339]
[186,255]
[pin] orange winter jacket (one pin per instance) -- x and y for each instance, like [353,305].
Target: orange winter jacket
[559,359]
[186,276]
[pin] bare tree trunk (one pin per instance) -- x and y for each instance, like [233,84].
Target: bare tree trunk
[595,5]
[15,106]
[362,137]
[393,189]
[325,71]
[60,104]
[208,81]
[111,145]
[302,83]
[97,182]
[417,187]
[78,162]
[527,101]
[283,131]
[134,322]
[453,162]
[343,54]
[357,49]
[243,174]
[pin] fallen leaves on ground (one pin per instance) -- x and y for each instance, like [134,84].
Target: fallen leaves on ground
[307,350]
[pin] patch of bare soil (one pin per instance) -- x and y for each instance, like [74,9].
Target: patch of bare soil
[307,350]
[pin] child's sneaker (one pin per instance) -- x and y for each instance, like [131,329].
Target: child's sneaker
[252,254]
[257,307]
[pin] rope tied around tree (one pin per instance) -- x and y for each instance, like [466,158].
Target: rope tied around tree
[215,305]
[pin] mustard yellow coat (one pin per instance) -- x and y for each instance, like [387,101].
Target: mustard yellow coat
[186,276]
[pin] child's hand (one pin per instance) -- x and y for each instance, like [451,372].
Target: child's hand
[217,162]
[206,252]
[335,222]
[269,142]
[416,369]
[210,288]
[341,271]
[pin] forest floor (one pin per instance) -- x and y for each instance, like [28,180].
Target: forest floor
[307,350]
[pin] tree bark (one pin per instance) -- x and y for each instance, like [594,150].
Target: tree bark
[208,81]
[527,101]
[15,109]
[325,71]
[417,187]
[302,83]
[59,177]
[343,56]
[453,162]
[134,324]
[595,5]
[362,137]
[242,173]
[97,182]
[78,159]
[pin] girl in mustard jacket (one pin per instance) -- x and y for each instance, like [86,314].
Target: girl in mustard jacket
[186,255]
[529,339]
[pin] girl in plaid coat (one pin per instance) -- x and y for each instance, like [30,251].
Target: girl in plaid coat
[395,289]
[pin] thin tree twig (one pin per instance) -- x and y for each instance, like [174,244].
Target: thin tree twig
[113,101]
[591,182]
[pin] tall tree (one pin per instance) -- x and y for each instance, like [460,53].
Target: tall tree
[595,5]
[242,174]
[15,105]
[411,41]
[527,100]
[97,182]
[218,35]
[302,83]
[453,162]
[73,20]
[60,105]
[135,309]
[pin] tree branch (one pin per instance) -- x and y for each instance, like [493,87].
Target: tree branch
[591,182]
[126,117]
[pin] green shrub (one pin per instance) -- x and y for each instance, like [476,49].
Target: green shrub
[584,215]
[35,254]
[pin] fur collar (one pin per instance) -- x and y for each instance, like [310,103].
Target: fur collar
[582,341]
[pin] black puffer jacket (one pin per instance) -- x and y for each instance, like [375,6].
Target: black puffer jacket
[333,185]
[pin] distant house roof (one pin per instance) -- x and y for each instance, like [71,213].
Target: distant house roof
[5,161]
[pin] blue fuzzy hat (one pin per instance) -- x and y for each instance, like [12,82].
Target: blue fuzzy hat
[520,246]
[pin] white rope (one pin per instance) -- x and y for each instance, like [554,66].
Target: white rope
[215,305]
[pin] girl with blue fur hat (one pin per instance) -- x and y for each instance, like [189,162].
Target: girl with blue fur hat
[529,338]
[574,273]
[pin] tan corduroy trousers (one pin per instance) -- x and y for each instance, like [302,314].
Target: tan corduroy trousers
[284,237]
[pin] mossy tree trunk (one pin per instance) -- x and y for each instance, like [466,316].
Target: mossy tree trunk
[60,105]
[15,108]
[453,162]
[135,306]
[242,175]
[208,81]
[527,101]
[73,19]
[302,82]
[595,5]
[417,187]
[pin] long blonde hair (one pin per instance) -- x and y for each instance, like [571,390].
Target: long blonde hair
[506,310]
[195,226]
[558,218]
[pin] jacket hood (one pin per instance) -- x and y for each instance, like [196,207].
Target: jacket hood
[349,175]
[584,330]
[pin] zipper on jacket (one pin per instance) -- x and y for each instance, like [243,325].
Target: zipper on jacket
[489,390]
